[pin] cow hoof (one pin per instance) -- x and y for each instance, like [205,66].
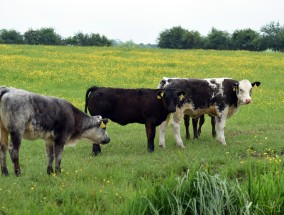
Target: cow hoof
[223,143]
[150,150]
[181,146]
[162,146]
[49,170]
[4,171]
[18,172]
[96,149]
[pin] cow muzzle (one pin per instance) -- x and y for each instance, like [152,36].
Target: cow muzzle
[172,109]
[106,140]
[247,101]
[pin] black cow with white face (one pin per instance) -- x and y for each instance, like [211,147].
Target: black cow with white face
[219,97]
[31,116]
[123,106]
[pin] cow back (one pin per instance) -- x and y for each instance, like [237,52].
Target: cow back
[125,106]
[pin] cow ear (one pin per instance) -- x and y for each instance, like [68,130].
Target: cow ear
[96,120]
[257,83]
[235,86]
[160,94]
[103,123]
[181,95]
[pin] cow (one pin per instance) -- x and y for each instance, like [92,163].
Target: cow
[201,119]
[123,106]
[219,97]
[31,116]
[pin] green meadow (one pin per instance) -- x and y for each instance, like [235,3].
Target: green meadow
[246,177]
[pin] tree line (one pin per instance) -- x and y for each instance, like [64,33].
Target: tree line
[48,36]
[270,36]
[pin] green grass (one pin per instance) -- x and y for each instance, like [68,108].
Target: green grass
[125,171]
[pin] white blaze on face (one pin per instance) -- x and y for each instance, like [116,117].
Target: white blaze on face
[244,92]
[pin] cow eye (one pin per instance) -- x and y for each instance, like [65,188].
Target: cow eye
[241,90]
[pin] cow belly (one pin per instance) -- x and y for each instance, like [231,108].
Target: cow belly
[32,133]
[191,111]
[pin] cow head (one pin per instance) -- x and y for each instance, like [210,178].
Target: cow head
[171,97]
[243,90]
[97,132]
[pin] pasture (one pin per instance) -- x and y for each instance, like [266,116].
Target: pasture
[125,171]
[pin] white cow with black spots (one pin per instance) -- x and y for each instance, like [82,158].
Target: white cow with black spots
[219,97]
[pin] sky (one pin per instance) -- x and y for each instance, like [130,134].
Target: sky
[139,21]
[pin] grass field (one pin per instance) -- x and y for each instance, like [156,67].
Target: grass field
[125,172]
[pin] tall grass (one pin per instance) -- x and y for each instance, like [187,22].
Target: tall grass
[266,189]
[200,193]
[203,193]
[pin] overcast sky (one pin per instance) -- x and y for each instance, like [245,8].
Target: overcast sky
[139,21]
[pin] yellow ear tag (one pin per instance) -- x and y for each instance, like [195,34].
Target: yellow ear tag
[235,88]
[102,125]
[161,95]
[181,97]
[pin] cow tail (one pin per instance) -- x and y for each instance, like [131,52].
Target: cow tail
[87,97]
[3,90]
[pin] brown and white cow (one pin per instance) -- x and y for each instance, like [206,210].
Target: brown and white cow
[31,116]
[123,106]
[219,97]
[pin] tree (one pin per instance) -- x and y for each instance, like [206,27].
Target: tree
[193,40]
[173,38]
[272,36]
[88,40]
[245,39]
[48,36]
[97,40]
[31,37]
[10,37]
[44,36]
[217,39]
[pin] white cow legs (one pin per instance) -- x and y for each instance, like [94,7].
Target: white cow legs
[163,128]
[177,118]
[220,125]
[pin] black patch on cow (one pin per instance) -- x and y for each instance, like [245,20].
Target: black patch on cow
[3,90]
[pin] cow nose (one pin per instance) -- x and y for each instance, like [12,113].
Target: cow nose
[248,101]
[106,140]
[172,110]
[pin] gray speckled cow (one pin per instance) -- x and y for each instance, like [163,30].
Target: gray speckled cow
[31,116]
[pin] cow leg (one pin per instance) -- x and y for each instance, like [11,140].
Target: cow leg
[177,117]
[151,132]
[201,122]
[163,128]
[14,148]
[220,123]
[186,120]
[194,126]
[213,123]
[3,151]
[58,149]
[50,156]
[96,149]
